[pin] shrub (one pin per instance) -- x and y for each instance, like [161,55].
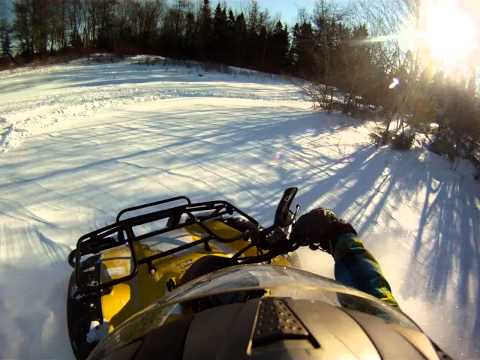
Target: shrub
[442,146]
[380,138]
[403,141]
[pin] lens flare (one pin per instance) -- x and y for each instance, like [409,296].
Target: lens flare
[449,33]
[445,35]
[394,84]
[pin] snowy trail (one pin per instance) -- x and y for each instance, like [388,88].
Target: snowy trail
[89,140]
[69,92]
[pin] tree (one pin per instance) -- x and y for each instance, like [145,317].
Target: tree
[220,34]
[230,39]
[6,42]
[174,28]
[253,15]
[5,37]
[303,50]
[74,19]
[56,26]
[42,15]
[191,33]
[351,66]
[240,40]
[23,26]
[278,48]
[34,25]
[105,24]
[205,31]
[330,34]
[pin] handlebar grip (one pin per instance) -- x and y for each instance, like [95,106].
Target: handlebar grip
[282,215]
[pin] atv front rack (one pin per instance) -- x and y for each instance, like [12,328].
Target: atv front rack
[122,233]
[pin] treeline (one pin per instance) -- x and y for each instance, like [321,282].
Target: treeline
[312,48]
[181,29]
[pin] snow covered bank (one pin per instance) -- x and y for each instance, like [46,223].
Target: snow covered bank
[90,139]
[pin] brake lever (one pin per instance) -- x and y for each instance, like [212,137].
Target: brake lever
[293,219]
[295,214]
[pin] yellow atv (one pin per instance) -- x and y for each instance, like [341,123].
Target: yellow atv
[182,281]
[151,249]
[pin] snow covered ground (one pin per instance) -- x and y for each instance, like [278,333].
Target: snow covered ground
[81,141]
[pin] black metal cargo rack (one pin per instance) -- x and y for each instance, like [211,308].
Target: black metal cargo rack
[121,233]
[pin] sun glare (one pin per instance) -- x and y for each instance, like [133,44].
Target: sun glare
[447,34]
[450,33]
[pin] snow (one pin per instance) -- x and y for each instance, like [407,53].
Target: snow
[83,140]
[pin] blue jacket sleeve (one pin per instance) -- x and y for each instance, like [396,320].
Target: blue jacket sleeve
[357,268]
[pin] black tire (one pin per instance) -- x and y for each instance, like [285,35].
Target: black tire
[81,311]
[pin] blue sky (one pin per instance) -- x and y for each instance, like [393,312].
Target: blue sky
[3,8]
[286,9]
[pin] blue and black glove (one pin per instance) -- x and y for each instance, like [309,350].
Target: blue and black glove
[320,228]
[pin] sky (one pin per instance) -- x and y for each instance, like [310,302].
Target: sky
[287,9]
[3,8]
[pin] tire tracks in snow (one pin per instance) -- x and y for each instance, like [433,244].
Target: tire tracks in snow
[23,119]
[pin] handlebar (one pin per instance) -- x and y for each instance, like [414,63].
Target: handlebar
[276,238]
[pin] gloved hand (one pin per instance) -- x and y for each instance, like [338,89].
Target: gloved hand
[320,228]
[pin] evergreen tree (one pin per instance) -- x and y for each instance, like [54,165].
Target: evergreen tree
[328,35]
[174,29]
[148,23]
[190,34]
[350,67]
[303,50]
[231,21]
[278,48]
[105,24]
[230,39]
[295,47]
[253,15]
[205,31]
[253,45]
[262,46]
[219,34]
[240,40]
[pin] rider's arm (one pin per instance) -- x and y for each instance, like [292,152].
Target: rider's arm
[356,267]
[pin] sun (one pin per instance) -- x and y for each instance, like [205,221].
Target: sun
[450,33]
[447,35]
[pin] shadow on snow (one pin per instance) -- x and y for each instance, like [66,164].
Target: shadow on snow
[251,159]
